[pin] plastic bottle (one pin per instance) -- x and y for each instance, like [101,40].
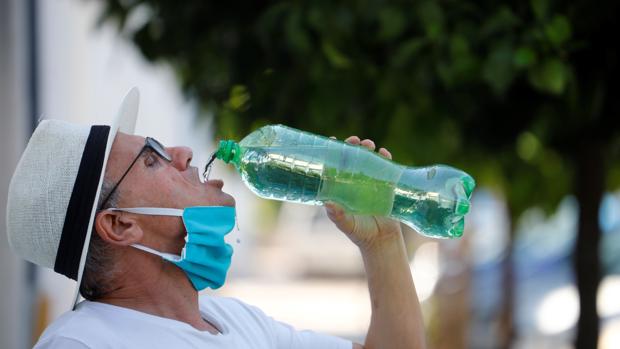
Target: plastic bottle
[282,163]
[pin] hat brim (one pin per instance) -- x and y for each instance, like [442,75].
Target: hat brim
[125,121]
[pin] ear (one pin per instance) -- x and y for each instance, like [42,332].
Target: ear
[118,228]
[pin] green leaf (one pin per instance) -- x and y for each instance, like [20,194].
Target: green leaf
[459,46]
[431,17]
[558,30]
[334,56]
[498,69]
[239,98]
[550,77]
[296,34]
[407,51]
[391,23]
[446,73]
[613,181]
[524,57]
[503,20]
[464,63]
[528,146]
[540,8]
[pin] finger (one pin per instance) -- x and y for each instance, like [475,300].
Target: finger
[334,211]
[368,144]
[385,153]
[353,140]
[333,137]
[333,207]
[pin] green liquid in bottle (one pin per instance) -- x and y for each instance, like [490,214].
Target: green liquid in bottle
[281,163]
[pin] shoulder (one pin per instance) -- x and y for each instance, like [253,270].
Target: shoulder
[237,316]
[226,306]
[245,318]
[76,329]
[59,341]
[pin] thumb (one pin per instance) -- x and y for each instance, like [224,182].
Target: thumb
[337,214]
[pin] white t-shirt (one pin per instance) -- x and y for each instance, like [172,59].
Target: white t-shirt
[100,325]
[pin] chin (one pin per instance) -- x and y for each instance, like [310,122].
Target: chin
[228,200]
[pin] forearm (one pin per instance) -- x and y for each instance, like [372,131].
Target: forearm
[396,321]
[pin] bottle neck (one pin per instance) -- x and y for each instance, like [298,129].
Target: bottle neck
[229,151]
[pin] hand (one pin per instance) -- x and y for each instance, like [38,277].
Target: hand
[367,232]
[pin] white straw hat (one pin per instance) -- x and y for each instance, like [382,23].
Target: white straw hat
[55,189]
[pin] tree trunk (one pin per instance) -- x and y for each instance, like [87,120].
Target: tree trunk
[506,325]
[453,294]
[589,188]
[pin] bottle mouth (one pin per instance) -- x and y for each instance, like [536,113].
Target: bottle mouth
[456,231]
[469,184]
[462,207]
[463,189]
[227,150]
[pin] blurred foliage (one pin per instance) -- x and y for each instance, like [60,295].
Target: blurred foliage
[504,90]
[520,94]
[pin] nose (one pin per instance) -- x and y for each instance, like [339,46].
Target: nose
[181,157]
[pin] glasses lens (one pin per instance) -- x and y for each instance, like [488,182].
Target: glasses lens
[158,148]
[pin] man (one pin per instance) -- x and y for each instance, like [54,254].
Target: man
[131,222]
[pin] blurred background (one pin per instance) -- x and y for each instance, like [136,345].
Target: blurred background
[520,94]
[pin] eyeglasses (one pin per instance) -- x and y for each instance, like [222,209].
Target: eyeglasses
[150,144]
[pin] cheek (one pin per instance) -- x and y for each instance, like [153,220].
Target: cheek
[166,233]
[165,187]
[153,191]
[176,189]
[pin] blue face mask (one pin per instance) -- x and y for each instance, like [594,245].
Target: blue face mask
[205,259]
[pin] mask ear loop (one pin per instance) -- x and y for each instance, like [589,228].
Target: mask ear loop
[151,211]
[168,256]
[155,211]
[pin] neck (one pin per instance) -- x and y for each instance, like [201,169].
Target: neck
[148,284]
